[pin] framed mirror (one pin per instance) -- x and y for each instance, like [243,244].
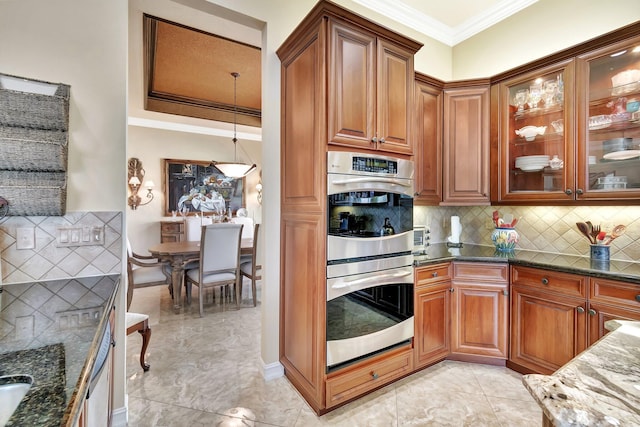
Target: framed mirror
[194,186]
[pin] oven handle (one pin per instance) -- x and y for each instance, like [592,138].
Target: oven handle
[374,279]
[372,179]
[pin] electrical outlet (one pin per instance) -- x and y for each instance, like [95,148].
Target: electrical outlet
[25,238]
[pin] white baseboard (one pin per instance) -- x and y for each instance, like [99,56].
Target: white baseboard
[272,371]
[119,417]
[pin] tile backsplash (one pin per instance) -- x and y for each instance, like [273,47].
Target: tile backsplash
[48,260]
[542,228]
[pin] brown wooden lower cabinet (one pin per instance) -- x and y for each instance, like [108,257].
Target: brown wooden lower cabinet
[350,383]
[432,313]
[547,330]
[611,299]
[479,311]
[555,316]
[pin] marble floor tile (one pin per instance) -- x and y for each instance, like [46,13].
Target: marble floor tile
[206,371]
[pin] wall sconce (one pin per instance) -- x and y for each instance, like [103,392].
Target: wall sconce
[259,190]
[135,177]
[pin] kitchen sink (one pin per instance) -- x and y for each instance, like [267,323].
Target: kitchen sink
[12,389]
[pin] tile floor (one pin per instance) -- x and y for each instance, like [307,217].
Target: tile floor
[206,372]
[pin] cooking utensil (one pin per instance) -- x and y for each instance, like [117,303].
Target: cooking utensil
[496,216]
[590,231]
[617,231]
[508,219]
[584,229]
[595,230]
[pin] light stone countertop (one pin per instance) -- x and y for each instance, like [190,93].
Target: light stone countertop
[599,387]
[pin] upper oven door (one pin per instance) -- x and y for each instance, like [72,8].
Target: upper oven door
[368,216]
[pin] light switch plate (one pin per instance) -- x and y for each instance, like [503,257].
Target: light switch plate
[25,238]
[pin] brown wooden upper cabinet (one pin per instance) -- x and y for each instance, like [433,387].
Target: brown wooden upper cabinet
[428,135]
[466,144]
[370,90]
[567,128]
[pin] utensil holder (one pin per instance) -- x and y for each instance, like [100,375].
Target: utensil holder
[600,253]
[505,239]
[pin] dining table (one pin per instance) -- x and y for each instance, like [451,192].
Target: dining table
[178,254]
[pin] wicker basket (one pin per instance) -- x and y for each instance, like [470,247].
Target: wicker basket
[19,107]
[34,193]
[33,149]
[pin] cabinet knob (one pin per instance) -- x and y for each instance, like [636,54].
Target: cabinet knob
[545,281]
[638,298]
[505,293]
[374,139]
[374,375]
[568,192]
[382,141]
[580,309]
[579,191]
[592,312]
[434,274]
[451,290]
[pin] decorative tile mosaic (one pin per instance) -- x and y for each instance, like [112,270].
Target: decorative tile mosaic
[541,228]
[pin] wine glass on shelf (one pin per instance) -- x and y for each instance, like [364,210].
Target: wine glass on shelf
[521,99]
[550,92]
[535,95]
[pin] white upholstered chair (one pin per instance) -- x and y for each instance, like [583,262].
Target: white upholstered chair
[250,268]
[219,264]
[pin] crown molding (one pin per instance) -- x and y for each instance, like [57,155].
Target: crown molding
[435,29]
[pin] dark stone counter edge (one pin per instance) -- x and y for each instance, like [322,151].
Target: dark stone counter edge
[72,412]
[555,262]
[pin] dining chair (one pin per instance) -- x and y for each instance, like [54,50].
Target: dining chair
[143,271]
[219,261]
[250,268]
[147,270]
[137,322]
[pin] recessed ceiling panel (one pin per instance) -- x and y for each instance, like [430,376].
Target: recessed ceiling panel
[188,72]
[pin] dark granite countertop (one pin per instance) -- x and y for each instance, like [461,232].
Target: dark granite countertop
[618,270]
[51,330]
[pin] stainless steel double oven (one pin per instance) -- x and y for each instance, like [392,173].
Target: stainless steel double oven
[369,261]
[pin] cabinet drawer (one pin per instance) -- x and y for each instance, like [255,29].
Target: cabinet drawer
[564,283]
[355,382]
[172,227]
[432,274]
[481,272]
[615,292]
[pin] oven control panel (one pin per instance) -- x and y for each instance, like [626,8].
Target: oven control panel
[374,165]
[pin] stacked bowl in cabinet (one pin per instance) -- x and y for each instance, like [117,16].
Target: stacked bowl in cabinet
[532,163]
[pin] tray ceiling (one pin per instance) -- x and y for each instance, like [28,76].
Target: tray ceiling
[188,72]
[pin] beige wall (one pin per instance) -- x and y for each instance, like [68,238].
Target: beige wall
[83,44]
[545,27]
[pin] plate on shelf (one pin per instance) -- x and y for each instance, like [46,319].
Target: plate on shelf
[622,155]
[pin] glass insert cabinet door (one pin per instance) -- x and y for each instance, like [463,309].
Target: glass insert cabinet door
[536,134]
[609,121]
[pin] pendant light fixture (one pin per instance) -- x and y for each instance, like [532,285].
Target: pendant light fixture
[234,169]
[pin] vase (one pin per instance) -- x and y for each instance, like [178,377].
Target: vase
[505,239]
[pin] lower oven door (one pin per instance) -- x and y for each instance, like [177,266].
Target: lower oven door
[368,313]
